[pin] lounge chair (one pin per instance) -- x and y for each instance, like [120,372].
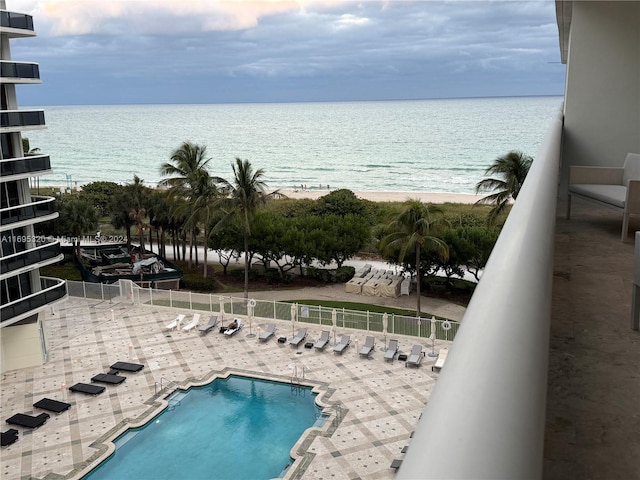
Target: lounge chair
[392,350]
[9,437]
[127,367]
[442,357]
[28,421]
[415,357]
[87,388]
[299,338]
[233,331]
[268,332]
[368,346]
[210,325]
[175,323]
[342,345]
[52,405]
[108,378]
[192,324]
[323,341]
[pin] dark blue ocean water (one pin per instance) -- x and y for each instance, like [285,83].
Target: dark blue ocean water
[421,145]
[236,428]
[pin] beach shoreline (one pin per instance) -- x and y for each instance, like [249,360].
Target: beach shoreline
[385,196]
[373,196]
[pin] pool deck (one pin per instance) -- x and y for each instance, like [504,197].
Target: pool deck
[381,401]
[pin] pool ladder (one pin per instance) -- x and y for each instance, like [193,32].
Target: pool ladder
[162,385]
[297,375]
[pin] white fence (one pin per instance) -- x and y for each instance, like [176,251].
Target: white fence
[266,309]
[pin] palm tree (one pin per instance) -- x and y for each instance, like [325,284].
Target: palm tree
[413,230]
[511,170]
[204,199]
[189,161]
[77,217]
[248,192]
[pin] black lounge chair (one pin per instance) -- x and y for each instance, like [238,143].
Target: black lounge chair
[108,378]
[52,405]
[87,388]
[127,367]
[9,437]
[28,421]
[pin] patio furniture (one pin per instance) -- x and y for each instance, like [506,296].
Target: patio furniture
[615,187]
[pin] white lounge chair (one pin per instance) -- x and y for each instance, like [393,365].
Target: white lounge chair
[192,324]
[232,331]
[175,323]
[392,350]
[323,341]
[442,357]
[415,357]
[342,345]
[210,325]
[268,332]
[299,338]
[368,346]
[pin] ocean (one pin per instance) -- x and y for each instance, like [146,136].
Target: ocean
[404,146]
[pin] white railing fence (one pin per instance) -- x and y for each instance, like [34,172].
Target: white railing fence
[264,310]
[486,415]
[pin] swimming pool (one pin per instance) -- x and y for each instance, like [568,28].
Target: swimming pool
[233,428]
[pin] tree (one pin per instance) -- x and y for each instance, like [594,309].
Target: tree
[248,193]
[99,195]
[77,217]
[511,171]
[190,183]
[413,230]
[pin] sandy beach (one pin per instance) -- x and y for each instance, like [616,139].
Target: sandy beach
[391,196]
[429,197]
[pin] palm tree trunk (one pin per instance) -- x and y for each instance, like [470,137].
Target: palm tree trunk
[206,235]
[246,264]
[195,243]
[418,308]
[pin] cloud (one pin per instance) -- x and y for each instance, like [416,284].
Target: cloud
[272,49]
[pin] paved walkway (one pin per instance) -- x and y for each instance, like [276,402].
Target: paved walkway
[381,401]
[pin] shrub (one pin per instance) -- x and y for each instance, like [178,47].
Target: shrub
[344,274]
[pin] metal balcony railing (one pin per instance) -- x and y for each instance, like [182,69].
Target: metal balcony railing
[486,415]
[19,70]
[32,165]
[41,207]
[21,118]
[52,290]
[47,252]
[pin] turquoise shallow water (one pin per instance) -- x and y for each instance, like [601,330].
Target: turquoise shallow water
[421,145]
[236,428]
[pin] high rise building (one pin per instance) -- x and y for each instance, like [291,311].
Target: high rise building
[25,294]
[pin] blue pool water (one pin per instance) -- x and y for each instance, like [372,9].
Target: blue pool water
[234,428]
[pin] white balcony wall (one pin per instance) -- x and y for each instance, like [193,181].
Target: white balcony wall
[602,98]
[485,418]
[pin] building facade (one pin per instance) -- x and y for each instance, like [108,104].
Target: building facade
[25,295]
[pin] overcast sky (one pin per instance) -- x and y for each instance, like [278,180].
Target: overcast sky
[158,51]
